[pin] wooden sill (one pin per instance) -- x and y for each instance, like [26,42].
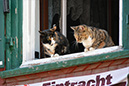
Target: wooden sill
[117,54]
[70,56]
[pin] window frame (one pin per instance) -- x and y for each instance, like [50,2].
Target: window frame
[123,53]
[63,26]
[31,23]
[2,39]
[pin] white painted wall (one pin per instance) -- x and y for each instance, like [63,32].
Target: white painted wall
[30,29]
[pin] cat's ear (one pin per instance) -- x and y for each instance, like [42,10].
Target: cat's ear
[53,29]
[73,28]
[40,32]
[82,28]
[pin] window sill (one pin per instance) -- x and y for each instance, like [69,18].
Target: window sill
[70,56]
[28,68]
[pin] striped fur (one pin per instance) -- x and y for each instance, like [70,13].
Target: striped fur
[92,37]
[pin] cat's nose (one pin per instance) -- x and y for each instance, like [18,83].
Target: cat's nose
[78,40]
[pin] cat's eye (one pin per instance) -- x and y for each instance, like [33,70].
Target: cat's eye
[54,38]
[43,34]
[48,38]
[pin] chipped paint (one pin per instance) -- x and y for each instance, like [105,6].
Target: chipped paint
[1,62]
[64,58]
[16,55]
[37,68]
[107,56]
[31,67]
[16,41]
[70,63]
[8,60]
[15,10]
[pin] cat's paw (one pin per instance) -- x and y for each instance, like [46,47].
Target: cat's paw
[52,55]
[91,48]
[86,49]
[55,55]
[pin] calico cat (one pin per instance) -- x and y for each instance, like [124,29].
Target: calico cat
[54,42]
[91,37]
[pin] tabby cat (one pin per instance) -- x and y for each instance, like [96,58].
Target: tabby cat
[54,42]
[91,37]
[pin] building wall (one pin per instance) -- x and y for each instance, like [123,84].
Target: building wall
[81,70]
[2,81]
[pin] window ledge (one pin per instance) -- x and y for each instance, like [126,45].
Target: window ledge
[58,63]
[70,56]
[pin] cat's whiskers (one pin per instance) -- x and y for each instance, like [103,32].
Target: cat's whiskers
[75,44]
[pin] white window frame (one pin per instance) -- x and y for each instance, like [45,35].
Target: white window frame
[64,17]
[29,41]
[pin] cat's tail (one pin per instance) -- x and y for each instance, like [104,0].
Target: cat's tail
[108,40]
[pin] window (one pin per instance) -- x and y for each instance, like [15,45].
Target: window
[13,58]
[42,14]
[96,13]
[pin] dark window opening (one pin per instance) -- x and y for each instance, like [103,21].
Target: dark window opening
[50,11]
[43,22]
[102,14]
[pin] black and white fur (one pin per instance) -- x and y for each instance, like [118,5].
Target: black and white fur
[54,42]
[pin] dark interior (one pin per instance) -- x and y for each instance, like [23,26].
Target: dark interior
[102,14]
